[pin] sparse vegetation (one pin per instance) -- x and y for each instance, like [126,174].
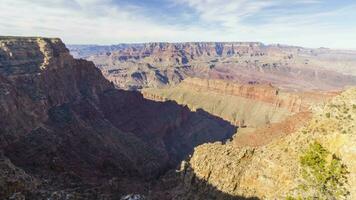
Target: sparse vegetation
[324,176]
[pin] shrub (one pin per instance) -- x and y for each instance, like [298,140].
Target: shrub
[324,175]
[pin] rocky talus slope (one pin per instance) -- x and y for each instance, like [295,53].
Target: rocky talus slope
[67,133]
[316,161]
[137,66]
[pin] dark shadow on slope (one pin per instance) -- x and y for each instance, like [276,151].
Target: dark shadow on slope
[170,128]
[67,127]
[186,185]
[88,142]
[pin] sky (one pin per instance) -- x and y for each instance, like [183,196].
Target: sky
[308,23]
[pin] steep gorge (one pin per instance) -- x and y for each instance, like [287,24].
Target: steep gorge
[66,132]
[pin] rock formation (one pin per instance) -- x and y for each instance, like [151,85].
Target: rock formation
[137,66]
[275,170]
[67,133]
[251,105]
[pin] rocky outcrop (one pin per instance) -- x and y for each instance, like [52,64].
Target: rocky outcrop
[14,179]
[275,170]
[137,66]
[69,129]
[37,74]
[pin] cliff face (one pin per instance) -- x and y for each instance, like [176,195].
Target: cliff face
[37,74]
[294,102]
[150,65]
[181,50]
[71,131]
[21,56]
[276,170]
[251,105]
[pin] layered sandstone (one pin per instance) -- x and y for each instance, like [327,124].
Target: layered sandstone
[251,105]
[137,66]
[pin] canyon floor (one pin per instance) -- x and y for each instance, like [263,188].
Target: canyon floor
[175,121]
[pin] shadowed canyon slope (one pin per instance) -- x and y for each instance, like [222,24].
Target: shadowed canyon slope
[263,112]
[137,66]
[66,132]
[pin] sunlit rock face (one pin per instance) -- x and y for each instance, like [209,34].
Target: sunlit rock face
[245,105]
[273,170]
[137,66]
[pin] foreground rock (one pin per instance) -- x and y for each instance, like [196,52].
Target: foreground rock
[277,170]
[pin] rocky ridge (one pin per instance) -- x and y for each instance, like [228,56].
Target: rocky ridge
[274,171]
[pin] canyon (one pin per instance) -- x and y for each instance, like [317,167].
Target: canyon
[180,121]
[147,65]
[262,112]
[66,130]
[275,170]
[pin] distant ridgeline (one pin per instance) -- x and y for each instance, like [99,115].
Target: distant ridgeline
[137,66]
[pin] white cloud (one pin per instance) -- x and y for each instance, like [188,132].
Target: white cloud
[305,29]
[100,21]
[81,21]
[226,12]
[229,13]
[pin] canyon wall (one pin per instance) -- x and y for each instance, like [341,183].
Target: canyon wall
[137,66]
[278,170]
[66,132]
[252,105]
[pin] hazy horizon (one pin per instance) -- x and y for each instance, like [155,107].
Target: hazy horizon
[148,42]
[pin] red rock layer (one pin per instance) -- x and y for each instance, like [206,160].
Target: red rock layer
[137,66]
[294,102]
